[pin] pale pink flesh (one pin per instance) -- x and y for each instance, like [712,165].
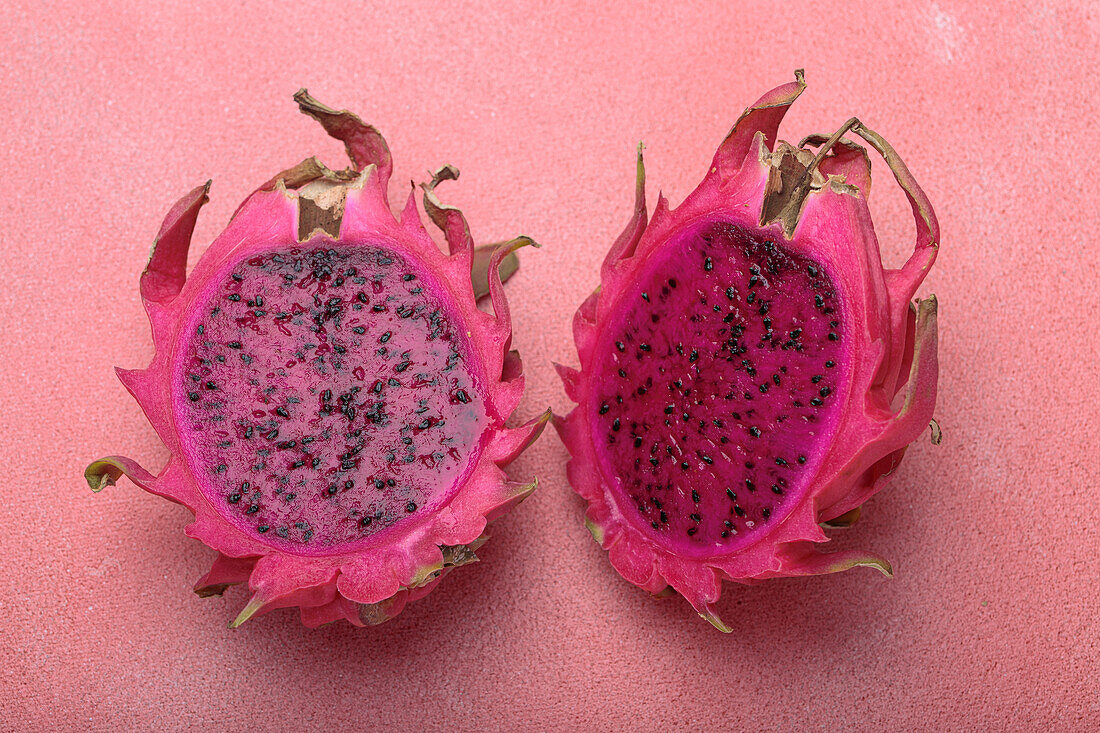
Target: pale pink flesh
[323,396]
[718,385]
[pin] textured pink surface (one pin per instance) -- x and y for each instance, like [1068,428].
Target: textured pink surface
[991,622]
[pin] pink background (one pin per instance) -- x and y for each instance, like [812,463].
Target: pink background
[112,113]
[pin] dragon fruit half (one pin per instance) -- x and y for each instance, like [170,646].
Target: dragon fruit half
[333,400]
[749,370]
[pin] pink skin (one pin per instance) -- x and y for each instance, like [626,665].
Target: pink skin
[882,400]
[343,574]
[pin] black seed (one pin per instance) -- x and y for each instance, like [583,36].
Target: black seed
[694,356]
[664,517]
[764,388]
[766,512]
[332,489]
[754,431]
[708,460]
[750,485]
[410,507]
[730,292]
[645,297]
[776,489]
[365,521]
[234,498]
[812,270]
[645,347]
[672,282]
[620,345]
[738,510]
[781,461]
[236,277]
[669,409]
[604,408]
[816,402]
[695,496]
[281,412]
[796,333]
[194,396]
[833,336]
[234,344]
[802,459]
[824,392]
[707,265]
[816,378]
[262,528]
[830,364]
[252,509]
[615,425]
[731,495]
[819,301]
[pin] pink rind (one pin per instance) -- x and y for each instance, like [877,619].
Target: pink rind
[893,380]
[363,585]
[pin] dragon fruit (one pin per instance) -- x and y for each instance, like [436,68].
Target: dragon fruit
[333,400]
[749,371]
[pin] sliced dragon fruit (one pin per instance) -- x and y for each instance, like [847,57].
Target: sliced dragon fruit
[333,400]
[749,371]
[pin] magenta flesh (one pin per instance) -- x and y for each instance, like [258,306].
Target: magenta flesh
[326,396]
[716,382]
